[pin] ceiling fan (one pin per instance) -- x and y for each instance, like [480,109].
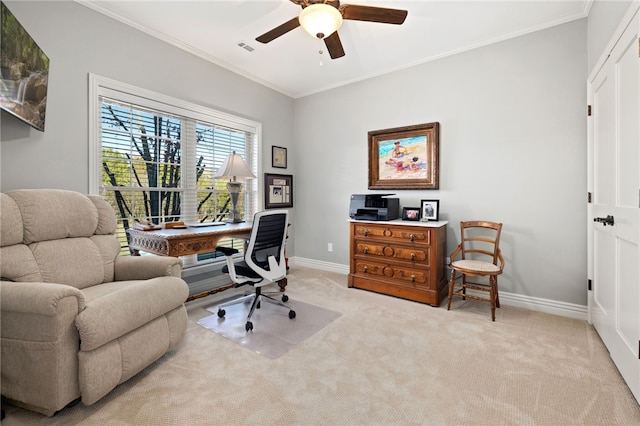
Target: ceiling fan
[322,18]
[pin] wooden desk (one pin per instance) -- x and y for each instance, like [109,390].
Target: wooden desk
[183,242]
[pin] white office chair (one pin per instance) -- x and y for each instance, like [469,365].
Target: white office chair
[263,263]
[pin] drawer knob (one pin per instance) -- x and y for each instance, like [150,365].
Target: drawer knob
[366,232]
[412,237]
[413,256]
[413,278]
[366,250]
[364,269]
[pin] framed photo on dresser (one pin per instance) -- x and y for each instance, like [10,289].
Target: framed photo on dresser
[411,213]
[430,210]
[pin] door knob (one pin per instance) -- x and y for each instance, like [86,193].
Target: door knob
[604,220]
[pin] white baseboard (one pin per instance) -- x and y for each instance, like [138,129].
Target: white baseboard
[553,307]
[318,264]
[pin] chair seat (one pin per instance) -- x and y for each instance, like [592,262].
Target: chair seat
[476,265]
[242,269]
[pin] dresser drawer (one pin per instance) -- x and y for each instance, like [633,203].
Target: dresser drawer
[392,233]
[399,273]
[373,248]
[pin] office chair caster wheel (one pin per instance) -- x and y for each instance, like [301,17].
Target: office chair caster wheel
[221,313]
[285,297]
[292,314]
[248,326]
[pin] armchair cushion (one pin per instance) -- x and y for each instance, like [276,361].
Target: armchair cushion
[129,305]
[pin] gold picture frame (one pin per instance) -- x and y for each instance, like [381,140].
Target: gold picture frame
[405,157]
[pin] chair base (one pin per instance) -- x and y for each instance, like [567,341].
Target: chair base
[460,289]
[256,299]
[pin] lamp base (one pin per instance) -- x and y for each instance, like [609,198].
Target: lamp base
[234,191]
[234,221]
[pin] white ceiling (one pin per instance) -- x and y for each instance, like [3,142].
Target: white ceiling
[291,63]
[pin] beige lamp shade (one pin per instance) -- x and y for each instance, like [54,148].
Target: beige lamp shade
[234,166]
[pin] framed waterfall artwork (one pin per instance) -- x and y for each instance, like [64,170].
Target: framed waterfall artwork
[24,79]
[405,157]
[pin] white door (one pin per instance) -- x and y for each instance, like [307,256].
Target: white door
[614,211]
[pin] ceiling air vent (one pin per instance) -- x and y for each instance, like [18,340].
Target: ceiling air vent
[245,46]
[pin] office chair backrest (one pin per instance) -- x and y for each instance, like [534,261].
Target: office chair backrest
[265,252]
[480,238]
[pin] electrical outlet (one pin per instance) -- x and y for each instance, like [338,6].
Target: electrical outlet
[330,247]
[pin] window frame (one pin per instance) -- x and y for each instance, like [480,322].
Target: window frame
[105,87]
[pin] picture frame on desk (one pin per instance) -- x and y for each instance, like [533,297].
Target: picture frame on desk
[430,210]
[405,157]
[278,191]
[411,213]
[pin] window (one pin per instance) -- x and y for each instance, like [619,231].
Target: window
[154,157]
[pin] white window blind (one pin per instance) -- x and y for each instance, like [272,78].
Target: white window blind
[154,157]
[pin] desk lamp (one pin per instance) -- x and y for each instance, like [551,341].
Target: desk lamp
[232,168]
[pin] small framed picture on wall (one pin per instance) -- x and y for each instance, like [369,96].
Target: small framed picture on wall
[430,210]
[279,157]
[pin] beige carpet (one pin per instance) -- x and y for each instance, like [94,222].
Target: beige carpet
[385,361]
[274,333]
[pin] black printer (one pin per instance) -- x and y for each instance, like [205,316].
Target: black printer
[374,207]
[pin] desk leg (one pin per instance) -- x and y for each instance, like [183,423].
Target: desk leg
[282,284]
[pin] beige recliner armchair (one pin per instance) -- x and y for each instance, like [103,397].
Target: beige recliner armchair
[78,319]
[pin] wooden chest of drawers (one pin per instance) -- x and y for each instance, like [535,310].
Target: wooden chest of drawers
[399,258]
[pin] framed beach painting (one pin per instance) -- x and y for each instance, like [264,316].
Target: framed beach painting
[404,157]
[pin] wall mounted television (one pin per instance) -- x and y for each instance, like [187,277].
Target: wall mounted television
[24,69]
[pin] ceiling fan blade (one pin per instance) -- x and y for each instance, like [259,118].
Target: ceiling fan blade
[279,30]
[373,14]
[334,46]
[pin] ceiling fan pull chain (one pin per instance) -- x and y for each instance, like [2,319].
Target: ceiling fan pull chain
[320,52]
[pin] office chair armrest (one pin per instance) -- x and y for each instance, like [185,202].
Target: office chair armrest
[227,250]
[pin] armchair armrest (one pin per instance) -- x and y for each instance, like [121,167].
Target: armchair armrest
[455,253]
[38,311]
[500,260]
[146,267]
[37,297]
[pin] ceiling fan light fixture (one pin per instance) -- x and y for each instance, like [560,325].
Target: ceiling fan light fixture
[320,20]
